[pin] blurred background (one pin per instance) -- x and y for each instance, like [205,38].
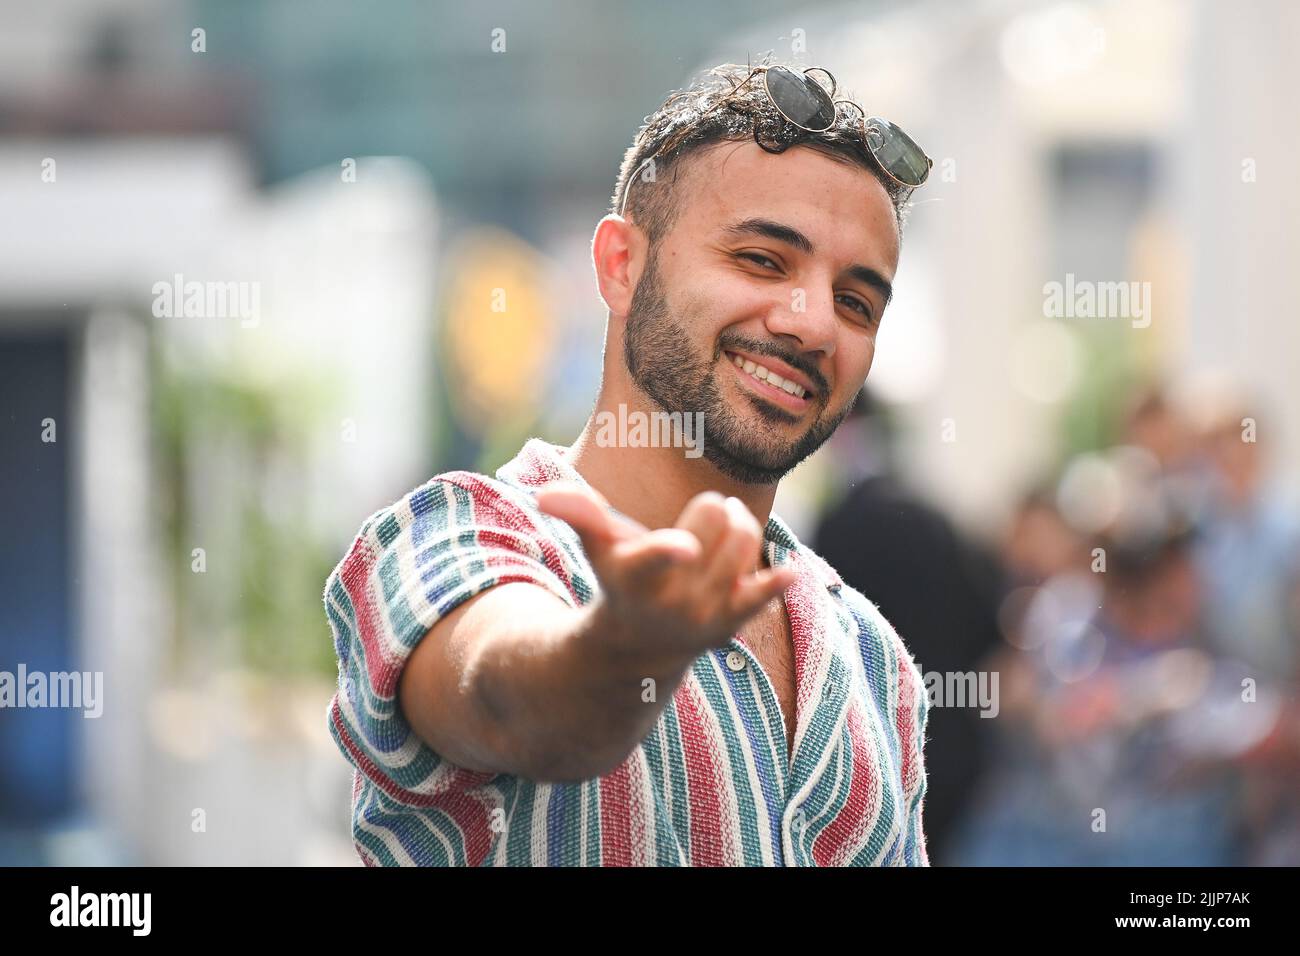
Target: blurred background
[1094,513]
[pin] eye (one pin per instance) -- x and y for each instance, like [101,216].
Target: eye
[760,260]
[859,306]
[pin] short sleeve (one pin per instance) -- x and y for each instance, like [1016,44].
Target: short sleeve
[410,565]
[913,717]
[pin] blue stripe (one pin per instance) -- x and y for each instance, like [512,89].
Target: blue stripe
[555,826]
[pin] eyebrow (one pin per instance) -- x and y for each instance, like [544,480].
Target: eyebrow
[797,240]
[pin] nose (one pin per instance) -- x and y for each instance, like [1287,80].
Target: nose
[809,318]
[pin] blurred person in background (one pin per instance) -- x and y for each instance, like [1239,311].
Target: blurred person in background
[1130,744]
[1209,448]
[1039,544]
[1249,550]
[939,590]
[1045,579]
[1156,422]
[1249,557]
[615,653]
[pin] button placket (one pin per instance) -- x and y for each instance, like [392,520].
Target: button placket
[739,659]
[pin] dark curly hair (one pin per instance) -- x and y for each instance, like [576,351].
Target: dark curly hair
[723,105]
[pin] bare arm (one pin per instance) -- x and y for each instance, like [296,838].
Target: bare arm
[515,681]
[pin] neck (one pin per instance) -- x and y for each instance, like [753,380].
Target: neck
[651,484]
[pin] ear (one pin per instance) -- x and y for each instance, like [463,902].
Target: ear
[618,254]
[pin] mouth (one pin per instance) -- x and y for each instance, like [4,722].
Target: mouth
[768,384]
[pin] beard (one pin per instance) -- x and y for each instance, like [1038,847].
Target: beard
[658,357]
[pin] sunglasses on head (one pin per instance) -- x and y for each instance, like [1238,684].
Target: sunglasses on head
[807,104]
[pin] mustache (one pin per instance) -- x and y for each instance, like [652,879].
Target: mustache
[733,343]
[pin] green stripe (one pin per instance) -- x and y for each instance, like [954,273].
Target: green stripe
[378,850]
[592,792]
[676,770]
[665,842]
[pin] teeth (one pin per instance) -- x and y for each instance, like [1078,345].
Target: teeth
[760,372]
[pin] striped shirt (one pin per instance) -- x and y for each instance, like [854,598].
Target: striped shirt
[712,784]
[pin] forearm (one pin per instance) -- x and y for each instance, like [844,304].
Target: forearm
[566,698]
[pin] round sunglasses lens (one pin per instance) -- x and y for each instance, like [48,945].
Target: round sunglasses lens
[801,99]
[897,152]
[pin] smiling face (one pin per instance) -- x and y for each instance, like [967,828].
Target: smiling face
[760,306]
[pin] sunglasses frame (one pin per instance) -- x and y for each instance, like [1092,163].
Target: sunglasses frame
[864,127]
[834,103]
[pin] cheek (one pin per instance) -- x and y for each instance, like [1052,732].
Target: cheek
[736,295]
[868,355]
[711,303]
[853,363]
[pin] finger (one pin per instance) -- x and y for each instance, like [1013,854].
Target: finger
[588,514]
[705,516]
[736,552]
[754,592]
[639,562]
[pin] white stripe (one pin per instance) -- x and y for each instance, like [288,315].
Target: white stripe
[662,727]
[582,830]
[640,809]
[504,836]
[835,787]
[537,839]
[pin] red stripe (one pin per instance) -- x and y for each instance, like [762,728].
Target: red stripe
[704,781]
[907,699]
[859,806]
[615,817]
[472,817]
[356,575]
[802,607]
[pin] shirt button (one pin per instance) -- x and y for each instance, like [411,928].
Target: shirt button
[736,661]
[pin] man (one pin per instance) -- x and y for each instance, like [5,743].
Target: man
[602,656]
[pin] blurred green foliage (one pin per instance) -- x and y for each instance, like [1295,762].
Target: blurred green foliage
[258,602]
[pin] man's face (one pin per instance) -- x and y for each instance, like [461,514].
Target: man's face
[776,262]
